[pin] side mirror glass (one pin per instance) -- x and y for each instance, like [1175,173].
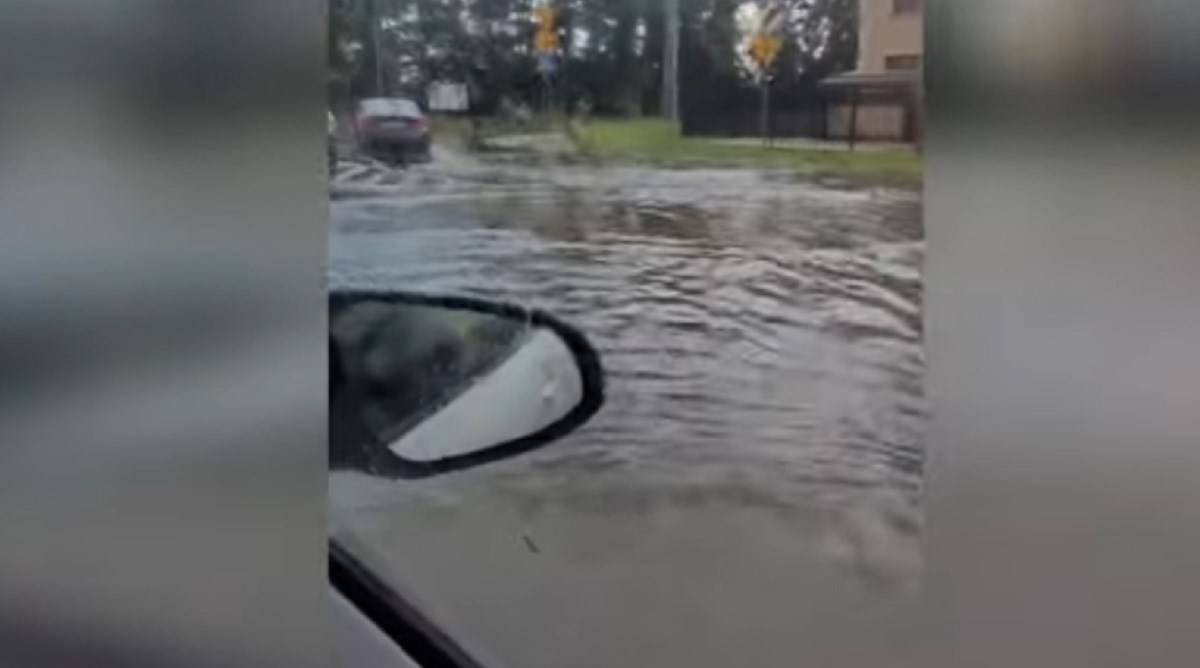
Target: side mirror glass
[423,385]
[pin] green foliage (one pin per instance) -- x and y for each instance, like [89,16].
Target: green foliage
[340,56]
[823,39]
[613,48]
[659,143]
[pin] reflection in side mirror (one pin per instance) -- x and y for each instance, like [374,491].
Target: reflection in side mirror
[424,385]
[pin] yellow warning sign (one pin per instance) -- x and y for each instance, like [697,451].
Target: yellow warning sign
[546,42]
[764,49]
[544,17]
[546,39]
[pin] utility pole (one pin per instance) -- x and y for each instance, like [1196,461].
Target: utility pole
[670,87]
[375,20]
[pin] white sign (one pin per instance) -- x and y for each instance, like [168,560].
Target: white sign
[444,96]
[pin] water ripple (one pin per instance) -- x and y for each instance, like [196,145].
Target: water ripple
[746,332]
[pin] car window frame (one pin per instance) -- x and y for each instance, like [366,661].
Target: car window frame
[423,641]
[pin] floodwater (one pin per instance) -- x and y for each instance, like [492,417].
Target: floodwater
[750,488]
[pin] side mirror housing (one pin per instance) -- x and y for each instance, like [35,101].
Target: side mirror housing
[424,385]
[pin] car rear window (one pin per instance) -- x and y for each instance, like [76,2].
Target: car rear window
[385,107]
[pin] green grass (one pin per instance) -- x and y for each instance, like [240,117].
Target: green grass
[454,133]
[460,134]
[659,143]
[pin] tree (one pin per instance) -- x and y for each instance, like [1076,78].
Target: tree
[613,49]
[484,43]
[343,54]
[819,38]
[822,39]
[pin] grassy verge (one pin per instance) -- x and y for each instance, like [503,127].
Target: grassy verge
[658,143]
[453,133]
[461,134]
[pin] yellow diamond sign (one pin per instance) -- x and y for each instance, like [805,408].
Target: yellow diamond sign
[764,49]
[546,39]
[544,17]
[546,42]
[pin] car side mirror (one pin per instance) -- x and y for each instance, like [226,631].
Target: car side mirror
[424,385]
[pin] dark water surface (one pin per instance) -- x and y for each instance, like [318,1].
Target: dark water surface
[762,342]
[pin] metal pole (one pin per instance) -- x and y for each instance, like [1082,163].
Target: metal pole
[770,129]
[670,92]
[379,91]
[766,111]
[853,115]
[918,98]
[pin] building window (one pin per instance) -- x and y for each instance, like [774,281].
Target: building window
[906,6]
[905,62]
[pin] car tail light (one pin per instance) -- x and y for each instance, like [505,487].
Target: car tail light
[419,124]
[365,123]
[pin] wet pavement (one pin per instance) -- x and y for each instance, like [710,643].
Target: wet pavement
[764,424]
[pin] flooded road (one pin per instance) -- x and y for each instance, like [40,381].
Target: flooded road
[762,343]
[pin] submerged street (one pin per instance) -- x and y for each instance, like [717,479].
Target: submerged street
[757,467]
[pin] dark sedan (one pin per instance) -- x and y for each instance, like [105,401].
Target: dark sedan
[392,129]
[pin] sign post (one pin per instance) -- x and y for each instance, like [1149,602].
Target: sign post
[765,44]
[766,110]
[547,45]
